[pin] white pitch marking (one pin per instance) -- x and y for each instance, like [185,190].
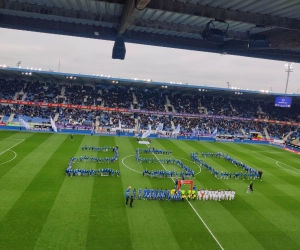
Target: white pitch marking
[129,167]
[12,147]
[211,233]
[280,162]
[277,163]
[11,139]
[192,162]
[10,159]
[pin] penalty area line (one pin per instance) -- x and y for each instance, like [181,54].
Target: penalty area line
[282,163]
[211,233]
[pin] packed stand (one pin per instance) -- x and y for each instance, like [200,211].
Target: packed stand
[151,101]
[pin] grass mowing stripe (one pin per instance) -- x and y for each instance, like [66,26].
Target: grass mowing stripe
[15,181]
[67,221]
[149,227]
[211,239]
[21,151]
[33,206]
[280,204]
[212,212]
[108,217]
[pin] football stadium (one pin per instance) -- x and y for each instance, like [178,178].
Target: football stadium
[100,162]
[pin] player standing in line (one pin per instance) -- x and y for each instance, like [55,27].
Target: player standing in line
[226,195]
[140,194]
[127,194]
[199,195]
[232,194]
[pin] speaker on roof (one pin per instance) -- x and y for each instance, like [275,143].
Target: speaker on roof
[119,49]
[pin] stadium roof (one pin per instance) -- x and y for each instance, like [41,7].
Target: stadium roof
[168,23]
[103,80]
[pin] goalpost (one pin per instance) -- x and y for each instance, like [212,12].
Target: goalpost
[185,182]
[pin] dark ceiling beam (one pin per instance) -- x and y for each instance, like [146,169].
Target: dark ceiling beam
[224,14]
[47,11]
[130,12]
[87,31]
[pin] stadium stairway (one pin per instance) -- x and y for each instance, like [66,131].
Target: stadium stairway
[24,96]
[287,135]
[16,96]
[11,117]
[63,89]
[243,131]
[136,121]
[56,117]
[168,104]
[232,108]
[172,125]
[267,134]
[97,123]
[296,142]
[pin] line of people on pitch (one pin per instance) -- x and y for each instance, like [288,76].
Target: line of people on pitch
[160,173]
[153,151]
[94,159]
[162,194]
[98,148]
[215,195]
[91,172]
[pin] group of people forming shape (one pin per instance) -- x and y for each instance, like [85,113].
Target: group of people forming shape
[186,171]
[94,172]
[249,172]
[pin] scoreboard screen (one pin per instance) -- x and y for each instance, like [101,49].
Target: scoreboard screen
[284,102]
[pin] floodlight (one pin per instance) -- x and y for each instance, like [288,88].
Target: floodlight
[258,40]
[212,34]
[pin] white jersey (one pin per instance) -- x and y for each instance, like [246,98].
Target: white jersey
[232,194]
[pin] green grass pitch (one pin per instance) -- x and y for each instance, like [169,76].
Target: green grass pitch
[41,208]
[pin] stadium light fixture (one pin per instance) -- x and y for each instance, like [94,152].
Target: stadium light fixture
[212,34]
[258,40]
[288,68]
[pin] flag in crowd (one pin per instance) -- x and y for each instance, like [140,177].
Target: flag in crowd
[177,130]
[214,133]
[120,125]
[147,133]
[24,124]
[53,125]
[159,127]
[195,131]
